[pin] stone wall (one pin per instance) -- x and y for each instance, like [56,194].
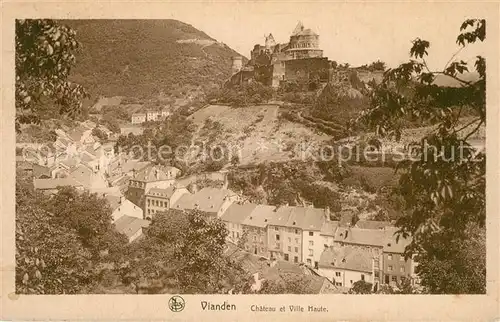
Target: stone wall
[304,70]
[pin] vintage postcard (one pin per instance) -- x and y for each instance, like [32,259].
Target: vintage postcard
[250,160]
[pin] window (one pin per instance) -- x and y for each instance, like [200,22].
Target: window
[296,259]
[278,245]
[276,228]
[376,263]
[149,202]
[311,243]
[286,257]
[277,237]
[394,278]
[296,231]
[389,257]
[308,261]
[237,234]
[338,283]
[311,252]
[311,233]
[377,274]
[290,248]
[296,240]
[289,239]
[337,274]
[161,203]
[402,269]
[362,277]
[389,268]
[296,249]
[402,258]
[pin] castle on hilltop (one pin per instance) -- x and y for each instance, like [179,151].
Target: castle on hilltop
[300,60]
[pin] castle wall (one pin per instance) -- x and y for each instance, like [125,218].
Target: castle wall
[304,70]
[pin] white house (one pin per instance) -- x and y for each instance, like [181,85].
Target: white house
[131,227]
[233,217]
[345,265]
[311,222]
[123,207]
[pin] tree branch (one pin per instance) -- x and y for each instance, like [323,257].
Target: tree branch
[474,131]
[454,55]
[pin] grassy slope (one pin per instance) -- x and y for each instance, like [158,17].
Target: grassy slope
[142,57]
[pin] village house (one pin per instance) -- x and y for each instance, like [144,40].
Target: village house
[81,135]
[396,269]
[212,201]
[158,199]
[122,207]
[311,220]
[255,227]
[233,217]
[87,177]
[284,237]
[131,227]
[345,265]
[151,176]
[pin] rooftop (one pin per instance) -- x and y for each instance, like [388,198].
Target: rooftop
[207,200]
[260,216]
[348,257]
[152,173]
[43,184]
[130,225]
[158,192]
[369,237]
[238,213]
[372,224]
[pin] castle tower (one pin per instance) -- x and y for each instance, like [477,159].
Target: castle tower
[270,42]
[237,64]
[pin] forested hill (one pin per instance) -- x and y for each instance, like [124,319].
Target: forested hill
[143,57]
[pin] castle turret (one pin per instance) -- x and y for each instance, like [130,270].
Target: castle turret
[237,64]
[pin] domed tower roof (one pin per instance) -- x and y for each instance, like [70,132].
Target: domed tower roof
[298,28]
[307,32]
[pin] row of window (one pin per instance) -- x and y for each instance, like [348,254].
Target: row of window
[390,268]
[304,45]
[295,258]
[401,258]
[290,249]
[137,184]
[157,203]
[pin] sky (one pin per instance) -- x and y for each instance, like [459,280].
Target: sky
[354,33]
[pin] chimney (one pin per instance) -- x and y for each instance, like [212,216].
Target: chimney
[122,199]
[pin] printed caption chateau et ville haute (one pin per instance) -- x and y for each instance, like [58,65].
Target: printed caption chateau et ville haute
[152,158]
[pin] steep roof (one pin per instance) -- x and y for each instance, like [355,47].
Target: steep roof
[305,218]
[350,258]
[238,213]
[369,237]
[329,228]
[132,164]
[372,224]
[260,216]
[152,173]
[128,225]
[158,192]
[43,184]
[207,199]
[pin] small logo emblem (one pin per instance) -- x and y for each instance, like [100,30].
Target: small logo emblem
[176,303]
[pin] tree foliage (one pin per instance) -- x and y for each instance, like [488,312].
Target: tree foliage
[45,54]
[361,287]
[444,191]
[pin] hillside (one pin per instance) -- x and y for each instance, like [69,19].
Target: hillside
[140,58]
